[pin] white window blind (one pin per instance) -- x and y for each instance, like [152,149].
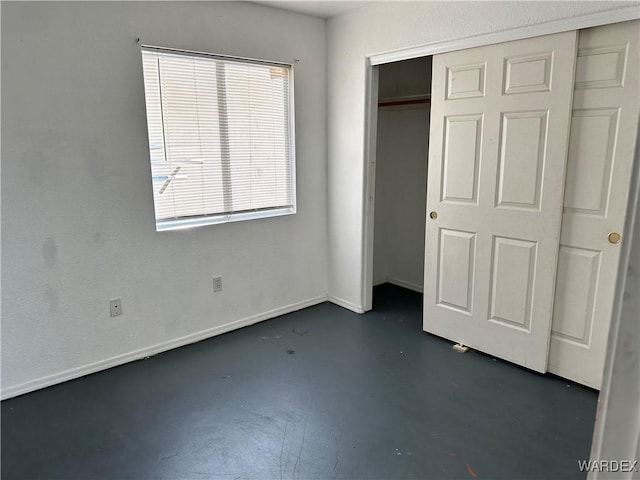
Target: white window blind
[220,138]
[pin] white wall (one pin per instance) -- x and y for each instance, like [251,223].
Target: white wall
[400,196]
[77,207]
[401,175]
[378,28]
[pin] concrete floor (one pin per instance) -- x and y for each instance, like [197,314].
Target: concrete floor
[318,394]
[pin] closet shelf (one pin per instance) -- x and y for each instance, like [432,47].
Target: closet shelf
[404,100]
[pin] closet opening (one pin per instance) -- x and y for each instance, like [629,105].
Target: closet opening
[399,194]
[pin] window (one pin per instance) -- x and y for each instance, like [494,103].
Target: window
[220,138]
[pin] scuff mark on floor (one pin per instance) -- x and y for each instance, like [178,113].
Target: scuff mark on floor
[284,437]
[304,434]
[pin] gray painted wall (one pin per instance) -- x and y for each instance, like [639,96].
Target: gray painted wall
[77,206]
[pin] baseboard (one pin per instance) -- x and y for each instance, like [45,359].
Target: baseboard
[404,284]
[345,304]
[380,282]
[77,372]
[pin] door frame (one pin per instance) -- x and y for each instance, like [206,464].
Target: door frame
[371,107]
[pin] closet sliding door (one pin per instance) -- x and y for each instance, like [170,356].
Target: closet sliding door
[498,147]
[603,133]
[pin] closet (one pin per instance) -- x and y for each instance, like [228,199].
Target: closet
[531,145]
[401,172]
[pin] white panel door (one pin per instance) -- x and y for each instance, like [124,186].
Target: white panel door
[603,130]
[499,133]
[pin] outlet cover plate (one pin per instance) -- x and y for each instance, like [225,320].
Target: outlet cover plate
[217,284]
[115,307]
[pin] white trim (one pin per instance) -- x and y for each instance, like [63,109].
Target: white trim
[556,26]
[77,372]
[345,304]
[189,222]
[292,140]
[368,195]
[404,284]
[380,282]
[217,219]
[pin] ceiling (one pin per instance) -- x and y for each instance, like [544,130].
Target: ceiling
[323,9]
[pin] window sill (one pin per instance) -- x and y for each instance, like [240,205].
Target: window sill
[184,223]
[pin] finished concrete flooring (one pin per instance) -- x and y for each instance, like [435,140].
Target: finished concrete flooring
[322,393]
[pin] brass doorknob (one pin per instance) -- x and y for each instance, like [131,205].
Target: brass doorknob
[614,237]
[433,215]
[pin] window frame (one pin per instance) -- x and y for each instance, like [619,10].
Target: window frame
[186,222]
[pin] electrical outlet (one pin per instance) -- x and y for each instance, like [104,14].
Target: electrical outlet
[115,307]
[217,284]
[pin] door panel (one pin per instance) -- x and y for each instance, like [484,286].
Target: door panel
[465,81]
[522,158]
[578,275]
[461,158]
[455,262]
[499,135]
[591,144]
[531,73]
[603,131]
[512,272]
[601,67]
